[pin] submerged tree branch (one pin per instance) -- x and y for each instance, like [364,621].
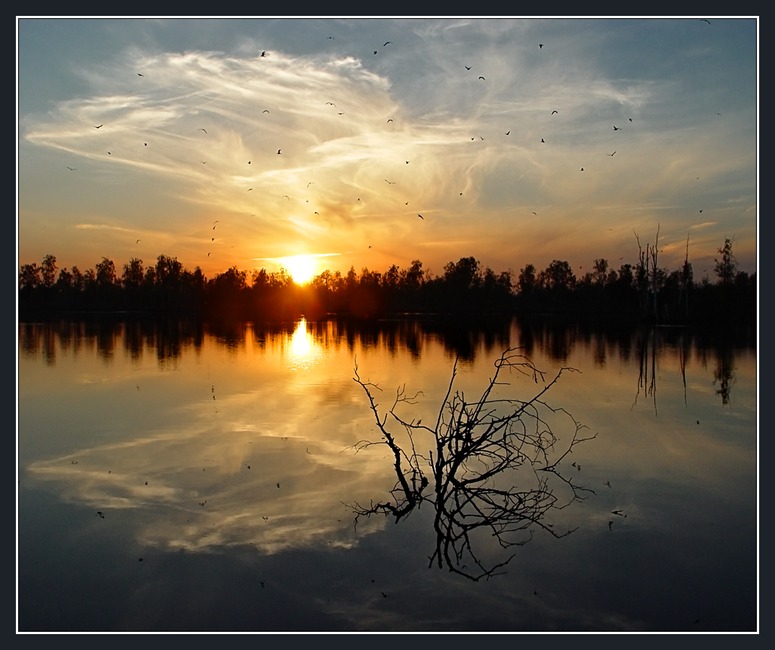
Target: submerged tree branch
[494,464]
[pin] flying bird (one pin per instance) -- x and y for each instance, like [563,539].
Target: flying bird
[72,169]
[390,119]
[421,217]
[540,46]
[390,182]
[705,20]
[201,129]
[482,78]
[278,151]
[99,126]
[611,154]
[387,43]
[263,53]
[266,110]
[140,74]
[542,140]
[468,67]
[582,169]
[553,112]
[508,132]
[616,128]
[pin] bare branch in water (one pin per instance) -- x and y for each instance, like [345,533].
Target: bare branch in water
[494,464]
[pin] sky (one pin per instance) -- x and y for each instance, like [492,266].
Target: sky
[350,142]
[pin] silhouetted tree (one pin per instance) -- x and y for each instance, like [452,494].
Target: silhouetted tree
[726,264]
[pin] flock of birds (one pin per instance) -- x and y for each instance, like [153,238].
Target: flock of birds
[390,121]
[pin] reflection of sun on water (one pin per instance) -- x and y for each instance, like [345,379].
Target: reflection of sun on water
[303,350]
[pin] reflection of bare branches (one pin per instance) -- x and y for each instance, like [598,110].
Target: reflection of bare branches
[724,375]
[647,375]
[482,452]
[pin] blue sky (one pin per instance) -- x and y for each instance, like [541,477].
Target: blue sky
[519,141]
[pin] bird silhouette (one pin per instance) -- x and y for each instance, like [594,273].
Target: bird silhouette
[611,154]
[99,126]
[582,169]
[705,20]
[72,169]
[278,151]
[390,182]
[540,46]
[421,217]
[542,140]
[390,119]
[507,132]
[140,74]
[553,112]
[266,110]
[387,43]
[482,78]
[616,128]
[468,67]
[263,53]
[201,129]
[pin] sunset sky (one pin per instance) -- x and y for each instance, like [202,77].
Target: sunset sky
[236,142]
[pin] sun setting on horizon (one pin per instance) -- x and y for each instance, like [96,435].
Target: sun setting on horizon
[336,143]
[302,268]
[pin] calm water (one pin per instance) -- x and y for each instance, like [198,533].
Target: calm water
[191,478]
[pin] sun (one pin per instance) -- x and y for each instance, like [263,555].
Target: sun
[302,268]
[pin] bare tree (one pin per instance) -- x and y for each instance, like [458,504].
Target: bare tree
[494,467]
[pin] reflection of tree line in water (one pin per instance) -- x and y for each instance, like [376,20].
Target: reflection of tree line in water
[462,338]
[492,469]
[651,340]
[639,293]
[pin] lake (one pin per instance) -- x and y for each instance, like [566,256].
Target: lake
[189,477]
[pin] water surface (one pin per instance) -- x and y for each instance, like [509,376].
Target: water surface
[185,477]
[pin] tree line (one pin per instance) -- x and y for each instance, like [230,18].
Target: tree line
[633,293]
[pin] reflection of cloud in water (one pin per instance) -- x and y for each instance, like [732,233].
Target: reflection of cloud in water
[213,488]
